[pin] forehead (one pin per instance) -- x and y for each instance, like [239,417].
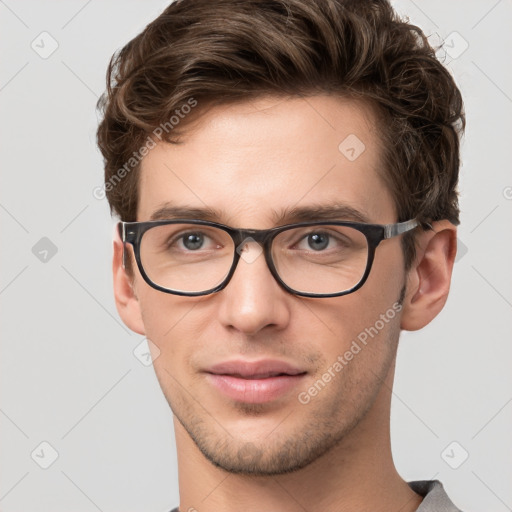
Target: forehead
[250,162]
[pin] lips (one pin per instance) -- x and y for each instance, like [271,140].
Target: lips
[256,381]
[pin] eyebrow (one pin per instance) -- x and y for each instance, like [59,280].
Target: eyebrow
[331,211]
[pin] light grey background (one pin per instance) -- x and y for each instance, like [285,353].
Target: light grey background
[68,373]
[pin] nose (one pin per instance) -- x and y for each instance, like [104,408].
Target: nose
[253,300]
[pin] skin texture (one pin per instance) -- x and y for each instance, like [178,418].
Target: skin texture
[333,453]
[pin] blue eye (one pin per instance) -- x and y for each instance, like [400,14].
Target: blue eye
[318,241]
[192,241]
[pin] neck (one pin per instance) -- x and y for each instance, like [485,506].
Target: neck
[358,473]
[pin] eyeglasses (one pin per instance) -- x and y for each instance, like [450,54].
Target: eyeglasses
[310,259]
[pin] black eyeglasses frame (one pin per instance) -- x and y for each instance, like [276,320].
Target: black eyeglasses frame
[132,233]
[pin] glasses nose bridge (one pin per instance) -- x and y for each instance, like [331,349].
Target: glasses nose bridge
[261,236]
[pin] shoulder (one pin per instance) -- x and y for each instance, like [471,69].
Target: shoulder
[435,498]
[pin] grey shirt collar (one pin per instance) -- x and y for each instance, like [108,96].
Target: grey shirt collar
[435,498]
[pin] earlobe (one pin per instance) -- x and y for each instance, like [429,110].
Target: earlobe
[429,278]
[127,303]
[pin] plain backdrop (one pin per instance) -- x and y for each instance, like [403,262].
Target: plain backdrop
[74,396]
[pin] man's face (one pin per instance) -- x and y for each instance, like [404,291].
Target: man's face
[251,160]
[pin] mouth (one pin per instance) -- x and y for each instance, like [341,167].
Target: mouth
[254,382]
[265,375]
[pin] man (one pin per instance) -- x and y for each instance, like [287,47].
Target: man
[285,172]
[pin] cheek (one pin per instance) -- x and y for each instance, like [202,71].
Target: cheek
[347,318]
[363,332]
[174,325]
[162,315]
[350,379]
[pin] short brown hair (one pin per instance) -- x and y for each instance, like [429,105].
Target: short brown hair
[224,51]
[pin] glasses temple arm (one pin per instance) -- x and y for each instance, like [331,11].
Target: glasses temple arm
[391,230]
[122,236]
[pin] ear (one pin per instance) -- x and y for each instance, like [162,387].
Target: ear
[428,280]
[127,303]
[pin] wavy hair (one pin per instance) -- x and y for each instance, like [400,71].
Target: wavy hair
[225,51]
